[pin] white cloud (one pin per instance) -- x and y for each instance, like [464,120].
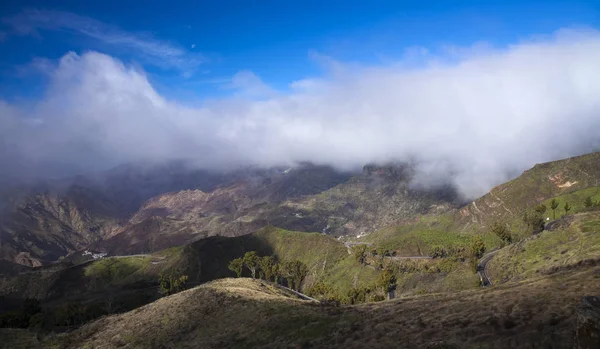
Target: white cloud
[147,48]
[473,120]
[193,46]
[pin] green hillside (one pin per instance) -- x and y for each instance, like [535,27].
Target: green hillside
[534,186]
[117,284]
[576,239]
[570,180]
[418,238]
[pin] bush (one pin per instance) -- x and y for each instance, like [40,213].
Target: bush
[477,247]
[501,230]
[438,252]
[447,265]
[360,253]
[172,283]
[534,221]
[20,318]
[72,314]
[358,295]
[387,278]
[324,292]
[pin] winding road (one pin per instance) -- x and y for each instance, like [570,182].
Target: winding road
[485,280]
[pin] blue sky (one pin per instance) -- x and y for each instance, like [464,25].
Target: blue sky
[279,41]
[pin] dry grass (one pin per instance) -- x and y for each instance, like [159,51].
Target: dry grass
[242,313]
[220,314]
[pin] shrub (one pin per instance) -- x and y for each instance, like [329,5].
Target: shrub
[360,253]
[541,209]
[20,318]
[172,283]
[501,230]
[358,295]
[477,247]
[459,252]
[387,278]
[438,252]
[534,221]
[324,292]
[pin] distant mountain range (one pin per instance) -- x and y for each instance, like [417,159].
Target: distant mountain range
[137,209]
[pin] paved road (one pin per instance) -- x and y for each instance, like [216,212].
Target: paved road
[485,280]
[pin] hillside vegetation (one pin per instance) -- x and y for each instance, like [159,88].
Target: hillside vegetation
[574,239]
[428,261]
[115,284]
[243,313]
[534,186]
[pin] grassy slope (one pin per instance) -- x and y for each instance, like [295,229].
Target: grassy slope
[538,184]
[203,261]
[578,239]
[242,313]
[417,238]
[570,180]
[575,199]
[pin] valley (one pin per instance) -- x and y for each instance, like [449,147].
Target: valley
[299,174]
[416,278]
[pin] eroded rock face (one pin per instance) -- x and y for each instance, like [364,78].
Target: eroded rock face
[587,333]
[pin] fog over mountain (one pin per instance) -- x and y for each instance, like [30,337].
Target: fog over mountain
[474,115]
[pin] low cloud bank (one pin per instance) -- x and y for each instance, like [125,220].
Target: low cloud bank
[473,118]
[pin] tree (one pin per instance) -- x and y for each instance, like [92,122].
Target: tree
[277,272]
[477,247]
[534,221]
[554,206]
[172,283]
[267,265]
[295,272]
[541,209]
[381,253]
[387,278]
[360,253]
[588,202]
[501,230]
[251,262]
[236,266]
[567,208]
